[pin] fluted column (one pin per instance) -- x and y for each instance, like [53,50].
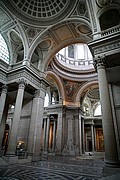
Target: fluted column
[111,154]
[83,136]
[59,133]
[16,118]
[2,100]
[2,109]
[35,132]
[47,134]
[80,133]
[54,135]
[92,136]
[44,133]
[95,138]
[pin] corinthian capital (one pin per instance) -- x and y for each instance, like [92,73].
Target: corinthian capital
[99,61]
[37,93]
[22,83]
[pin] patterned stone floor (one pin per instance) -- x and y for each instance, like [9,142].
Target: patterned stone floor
[54,168]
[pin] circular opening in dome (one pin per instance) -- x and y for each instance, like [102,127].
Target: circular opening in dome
[4,54]
[76,56]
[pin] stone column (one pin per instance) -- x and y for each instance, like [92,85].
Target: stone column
[92,136]
[80,133]
[47,134]
[83,137]
[54,135]
[44,134]
[59,133]
[95,138]
[111,154]
[35,132]
[3,110]
[2,100]
[16,118]
[86,141]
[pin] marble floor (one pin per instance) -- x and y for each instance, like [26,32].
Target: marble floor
[55,168]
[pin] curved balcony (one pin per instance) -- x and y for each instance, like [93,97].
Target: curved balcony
[80,64]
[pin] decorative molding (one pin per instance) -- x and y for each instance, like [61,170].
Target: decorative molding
[3,77]
[26,75]
[107,48]
[8,78]
[102,3]
[92,15]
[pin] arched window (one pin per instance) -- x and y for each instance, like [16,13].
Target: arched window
[4,54]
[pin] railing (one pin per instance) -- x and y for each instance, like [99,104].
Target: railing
[108,32]
[70,62]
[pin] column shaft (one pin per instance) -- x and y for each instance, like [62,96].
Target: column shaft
[35,133]
[16,119]
[80,134]
[59,134]
[47,133]
[54,135]
[111,154]
[83,137]
[93,138]
[2,101]
[44,133]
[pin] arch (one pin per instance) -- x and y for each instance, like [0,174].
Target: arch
[58,82]
[24,40]
[44,36]
[20,31]
[84,87]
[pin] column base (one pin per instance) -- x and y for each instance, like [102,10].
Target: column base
[112,164]
[10,159]
[108,171]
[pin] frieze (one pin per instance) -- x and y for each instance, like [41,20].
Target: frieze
[24,75]
[107,48]
[3,77]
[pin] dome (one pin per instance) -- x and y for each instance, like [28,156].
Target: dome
[40,12]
